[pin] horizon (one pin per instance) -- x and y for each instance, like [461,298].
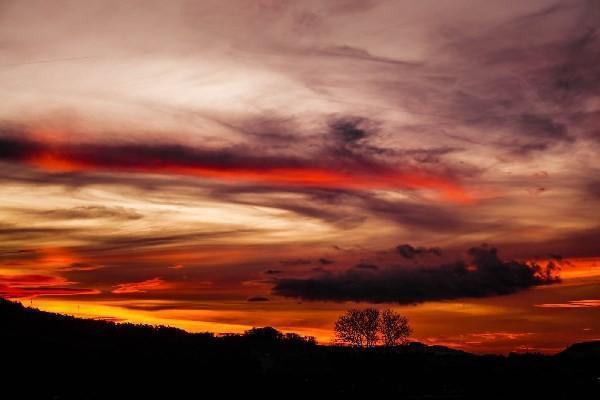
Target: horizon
[221,166]
[333,342]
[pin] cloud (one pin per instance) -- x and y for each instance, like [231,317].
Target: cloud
[258,299]
[484,275]
[408,251]
[139,241]
[572,304]
[80,266]
[370,267]
[485,87]
[296,261]
[593,188]
[138,287]
[418,214]
[17,232]
[34,285]
[494,336]
[348,209]
[343,166]
[90,212]
[273,272]
[569,244]
[233,164]
[350,129]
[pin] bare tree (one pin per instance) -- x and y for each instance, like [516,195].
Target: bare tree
[347,328]
[370,326]
[365,328]
[358,327]
[394,328]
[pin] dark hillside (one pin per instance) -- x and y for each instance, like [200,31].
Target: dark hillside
[52,356]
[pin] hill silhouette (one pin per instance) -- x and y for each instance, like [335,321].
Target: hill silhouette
[53,356]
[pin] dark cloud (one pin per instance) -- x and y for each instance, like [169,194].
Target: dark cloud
[569,244]
[593,188]
[140,156]
[417,214]
[559,74]
[256,299]
[333,206]
[13,148]
[262,157]
[150,240]
[296,261]
[370,267]
[348,209]
[273,272]
[484,275]
[429,155]
[525,133]
[350,129]
[10,256]
[543,126]
[16,232]
[575,78]
[168,304]
[353,143]
[408,251]
[326,261]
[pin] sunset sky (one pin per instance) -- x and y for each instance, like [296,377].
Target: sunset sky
[219,165]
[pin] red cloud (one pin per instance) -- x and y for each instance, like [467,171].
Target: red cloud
[225,165]
[31,285]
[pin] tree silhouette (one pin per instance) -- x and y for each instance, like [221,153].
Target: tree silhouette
[370,326]
[365,328]
[394,328]
[267,333]
[358,327]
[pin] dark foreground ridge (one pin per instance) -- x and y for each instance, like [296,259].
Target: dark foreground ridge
[53,356]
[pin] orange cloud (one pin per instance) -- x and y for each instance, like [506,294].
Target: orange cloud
[572,304]
[137,287]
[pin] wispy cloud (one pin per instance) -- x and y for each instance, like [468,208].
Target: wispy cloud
[30,285]
[572,304]
[136,287]
[234,164]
